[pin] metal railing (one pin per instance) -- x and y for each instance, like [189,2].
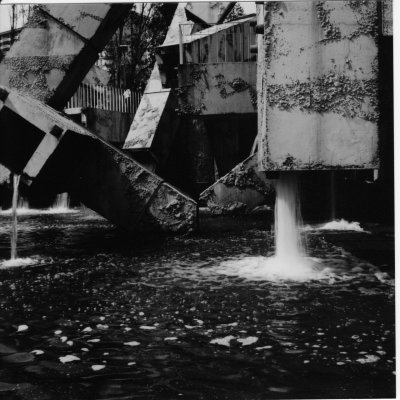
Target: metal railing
[105,98]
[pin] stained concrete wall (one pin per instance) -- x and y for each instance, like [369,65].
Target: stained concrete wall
[319,102]
[215,89]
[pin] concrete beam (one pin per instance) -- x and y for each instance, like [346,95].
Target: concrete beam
[104,178]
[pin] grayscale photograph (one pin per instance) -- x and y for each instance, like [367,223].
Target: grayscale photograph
[197,200]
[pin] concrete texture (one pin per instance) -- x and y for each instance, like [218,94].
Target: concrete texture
[244,185]
[178,21]
[60,153]
[220,88]
[319,103]
[155,123]
[57,48]
[387,17]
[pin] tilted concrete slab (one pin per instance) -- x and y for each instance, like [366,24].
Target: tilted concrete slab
[210,12]
[244,185]
[57,151]
[57,47]
[319,103]
[179,22]
[155,123]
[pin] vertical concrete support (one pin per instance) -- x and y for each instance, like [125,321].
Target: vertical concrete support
[318,106]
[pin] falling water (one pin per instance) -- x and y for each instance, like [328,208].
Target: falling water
[14,230]
[290,261]
[288,244]
[61,202]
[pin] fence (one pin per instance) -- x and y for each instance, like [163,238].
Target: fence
[105,98]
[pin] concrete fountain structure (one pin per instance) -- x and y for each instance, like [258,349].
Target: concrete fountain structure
[39,74]
[229,104]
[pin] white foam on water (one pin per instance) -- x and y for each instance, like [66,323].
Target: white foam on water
[38,211]
[336,225]
[18,262]
[274,268]
[290,261]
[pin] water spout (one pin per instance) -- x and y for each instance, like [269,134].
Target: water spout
[61,202]
[288,242]
[14,229]
[290,261]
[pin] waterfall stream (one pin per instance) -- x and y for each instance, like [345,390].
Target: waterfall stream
[14,229]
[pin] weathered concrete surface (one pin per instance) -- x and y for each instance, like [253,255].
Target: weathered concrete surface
[57,48]
[243,185]
[179,21]
[60,154]
[210,12]
[155,123]
[220,88]
[387,17]
[319,100]
[4,175]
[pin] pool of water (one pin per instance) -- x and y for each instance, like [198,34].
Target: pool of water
[102,315]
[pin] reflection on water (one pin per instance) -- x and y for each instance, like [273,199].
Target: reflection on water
[108,317]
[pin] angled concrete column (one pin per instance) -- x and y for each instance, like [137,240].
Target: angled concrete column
[46,148]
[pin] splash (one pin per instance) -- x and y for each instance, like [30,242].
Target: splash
[18,262]
[60,206]
[337,225]
[290,261]
[61,203]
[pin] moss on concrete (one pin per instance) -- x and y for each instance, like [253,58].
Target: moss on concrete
[329,93]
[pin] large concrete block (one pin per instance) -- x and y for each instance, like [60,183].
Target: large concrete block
[319,103]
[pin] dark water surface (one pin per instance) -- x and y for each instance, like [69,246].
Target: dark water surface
[152,319]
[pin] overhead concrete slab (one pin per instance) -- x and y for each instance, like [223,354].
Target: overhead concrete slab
[318,108]
[58,153]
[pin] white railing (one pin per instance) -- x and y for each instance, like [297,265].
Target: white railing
[105,98]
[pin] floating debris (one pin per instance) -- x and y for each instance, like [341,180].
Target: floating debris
[68,358]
